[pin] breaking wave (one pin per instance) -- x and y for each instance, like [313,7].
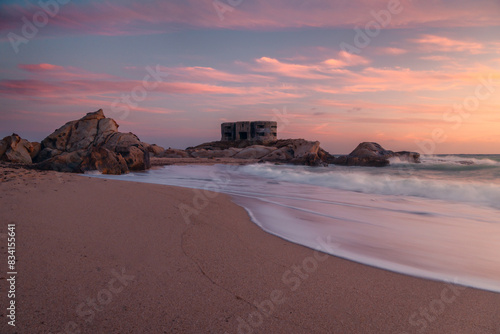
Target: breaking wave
[390,182]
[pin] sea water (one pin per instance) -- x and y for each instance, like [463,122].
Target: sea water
[439,219]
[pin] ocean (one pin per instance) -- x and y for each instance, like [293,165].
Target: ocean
[439,219]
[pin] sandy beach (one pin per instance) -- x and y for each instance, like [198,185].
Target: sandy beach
[102,256]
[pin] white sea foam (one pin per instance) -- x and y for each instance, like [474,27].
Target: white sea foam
[453,160]
[408,184]
[93,172]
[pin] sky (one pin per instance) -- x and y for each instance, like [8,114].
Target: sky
[411,75]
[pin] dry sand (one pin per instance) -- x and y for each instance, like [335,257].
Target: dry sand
[102,256]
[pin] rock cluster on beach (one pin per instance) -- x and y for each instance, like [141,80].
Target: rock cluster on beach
[90,143]
[94,143]
[15,149]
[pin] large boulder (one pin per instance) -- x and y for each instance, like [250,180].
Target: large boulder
[36,147]
[46,154]
[75,135]
[105,161]
[98,144]
[130,148]
[374,155]
[15,149]
[325,157]
[69,162]
[303,147]
[296,151]
[407,156]
[3,147]
[106,127]
[155,150]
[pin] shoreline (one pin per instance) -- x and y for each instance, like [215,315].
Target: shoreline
[127,248]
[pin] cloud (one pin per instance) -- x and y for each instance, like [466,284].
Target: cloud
[437,58]
[271,65]
[319,71]
[346,59]
[39,67]
[433,43]
[204,74]
[101,87]
[114,17]
[391,51]
[47,83]
[50,71]
[399,79]
[256,86]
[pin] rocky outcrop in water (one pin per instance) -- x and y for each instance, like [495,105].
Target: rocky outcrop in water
[374,155]
[92,143]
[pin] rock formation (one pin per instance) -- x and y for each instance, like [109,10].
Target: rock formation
[174,153]
[374,155]
[15,149]
[294,151]
[92,143]
[155,150]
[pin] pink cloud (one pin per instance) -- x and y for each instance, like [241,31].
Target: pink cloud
[391,51]
[372,79]
[51,71]
[323,70]
[270,65]
[346,59]
[432,43]
[85,87]
[39,67]
[437,58]
[325,77]
[103,92]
